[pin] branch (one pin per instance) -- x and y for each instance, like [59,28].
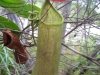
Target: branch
[77,52]
[79,25]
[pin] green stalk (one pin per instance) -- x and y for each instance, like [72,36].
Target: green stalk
[49,41]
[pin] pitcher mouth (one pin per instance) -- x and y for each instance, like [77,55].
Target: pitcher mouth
[6,38]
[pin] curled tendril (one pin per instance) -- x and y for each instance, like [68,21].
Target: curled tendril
[33,15]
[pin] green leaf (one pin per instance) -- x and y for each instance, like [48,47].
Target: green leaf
[24,11]
[98,55]
[12,3]
[6,23]
[19,7]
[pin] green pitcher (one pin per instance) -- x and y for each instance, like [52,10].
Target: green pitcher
[49,41]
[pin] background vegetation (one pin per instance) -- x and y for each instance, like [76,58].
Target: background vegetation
[80,52]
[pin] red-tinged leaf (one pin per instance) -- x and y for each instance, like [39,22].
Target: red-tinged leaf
[58,0]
